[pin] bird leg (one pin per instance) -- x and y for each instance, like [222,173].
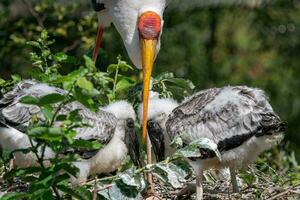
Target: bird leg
[235,186]
[199,186]
[11,164]
[98,43]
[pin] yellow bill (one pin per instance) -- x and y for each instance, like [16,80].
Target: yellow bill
[148,47]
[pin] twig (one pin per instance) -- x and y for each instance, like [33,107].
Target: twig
[105,187]
[14,187]
[34,13]
[115,80]
[35,148]
[95,191]
[72,46]
[41,163]
[146,168]
[60,106]
[149,162]
[279,195]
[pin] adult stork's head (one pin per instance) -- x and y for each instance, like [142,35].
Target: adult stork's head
[149,29]
[139,22]
[140,26]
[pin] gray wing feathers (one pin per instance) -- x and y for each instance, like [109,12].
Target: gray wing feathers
[16,112]
[18,90]
[186,117]
[19,113]
[102,123]
[221,113]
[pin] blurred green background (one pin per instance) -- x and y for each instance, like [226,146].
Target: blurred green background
[254,42]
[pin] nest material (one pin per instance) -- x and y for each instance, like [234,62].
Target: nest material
[221,190]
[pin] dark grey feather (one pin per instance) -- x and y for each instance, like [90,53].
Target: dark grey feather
[17,114]
[229,116]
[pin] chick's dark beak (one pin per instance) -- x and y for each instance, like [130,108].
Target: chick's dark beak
[132,143]
[157,138]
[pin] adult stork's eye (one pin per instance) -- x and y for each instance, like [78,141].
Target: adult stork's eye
[130,123]
[97,6]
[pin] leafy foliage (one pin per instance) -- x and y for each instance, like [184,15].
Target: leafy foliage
[257,46]
[92,88]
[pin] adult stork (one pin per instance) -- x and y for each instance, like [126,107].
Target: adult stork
[112,126]
[238,119]
[139,22]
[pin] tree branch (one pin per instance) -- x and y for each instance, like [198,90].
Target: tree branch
[31,9]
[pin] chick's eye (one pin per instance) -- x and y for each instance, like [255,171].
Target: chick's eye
[151,124]
[130,123]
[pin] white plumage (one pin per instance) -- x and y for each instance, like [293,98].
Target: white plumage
[111,125]
[124,14]
[239,120]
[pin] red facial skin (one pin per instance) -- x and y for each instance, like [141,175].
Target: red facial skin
[149,25]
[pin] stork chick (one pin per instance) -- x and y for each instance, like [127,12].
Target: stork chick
[112,125]
[238,119]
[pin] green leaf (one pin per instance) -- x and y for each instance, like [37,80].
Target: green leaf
[112,68]
[44,181]
[67,167]
[74,115]
[15,196]
[16,78]
[86,144]
[6,155]
[172,174]
[71,77]
[34,44]
[132,180]
[47,111]
[192,150]
[64,58]
[2,81]
[124,84]
[61,117]
[249,178]
[124,66]
[117,192]
[43,193]
[22,172]
[85,99]
[29,100]
[51,99]
[46,53]
[46,133]
[164,75]
[85,84]
[177,142]
[48,195]
[183,83]
[89,63]
[79,192]
[129,180]
[44,34]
